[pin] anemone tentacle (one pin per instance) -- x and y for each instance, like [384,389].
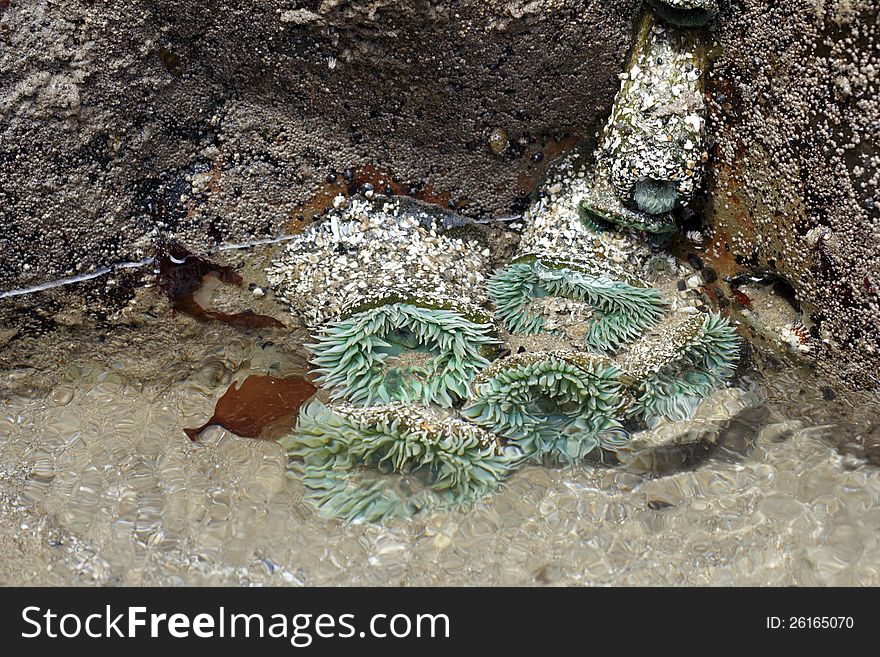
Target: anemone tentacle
[401,352]
[623,308]
[558,406]
[338,448]
[675,372]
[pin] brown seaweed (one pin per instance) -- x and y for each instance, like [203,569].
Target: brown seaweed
[183,274]
[264,407]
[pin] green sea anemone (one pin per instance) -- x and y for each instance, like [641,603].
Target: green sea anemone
[623,309]
[676,372]
[558,406]
[367,464]
[402,351]
[655,196]
[600,204]
[686,13]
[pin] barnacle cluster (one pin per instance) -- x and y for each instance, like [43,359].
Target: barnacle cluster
[407,325]
[654,140]
[368,251]
[652,148]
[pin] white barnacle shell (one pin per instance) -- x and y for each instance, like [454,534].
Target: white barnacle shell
[693,122]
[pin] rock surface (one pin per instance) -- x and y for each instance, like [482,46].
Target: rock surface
[795,115]
[127,124]
[122,124]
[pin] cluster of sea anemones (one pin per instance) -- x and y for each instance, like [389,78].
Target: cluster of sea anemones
[423,412]
[408,325]
[400,327]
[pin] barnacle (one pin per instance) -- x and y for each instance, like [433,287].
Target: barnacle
[677,368]
[402,351]
[559,406]
[687,13]
[654,140]
[394,460]
[623,305]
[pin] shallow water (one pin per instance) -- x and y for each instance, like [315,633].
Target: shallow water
[100,485]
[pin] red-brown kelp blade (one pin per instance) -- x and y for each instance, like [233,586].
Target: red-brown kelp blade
[263,407]
[182,274]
